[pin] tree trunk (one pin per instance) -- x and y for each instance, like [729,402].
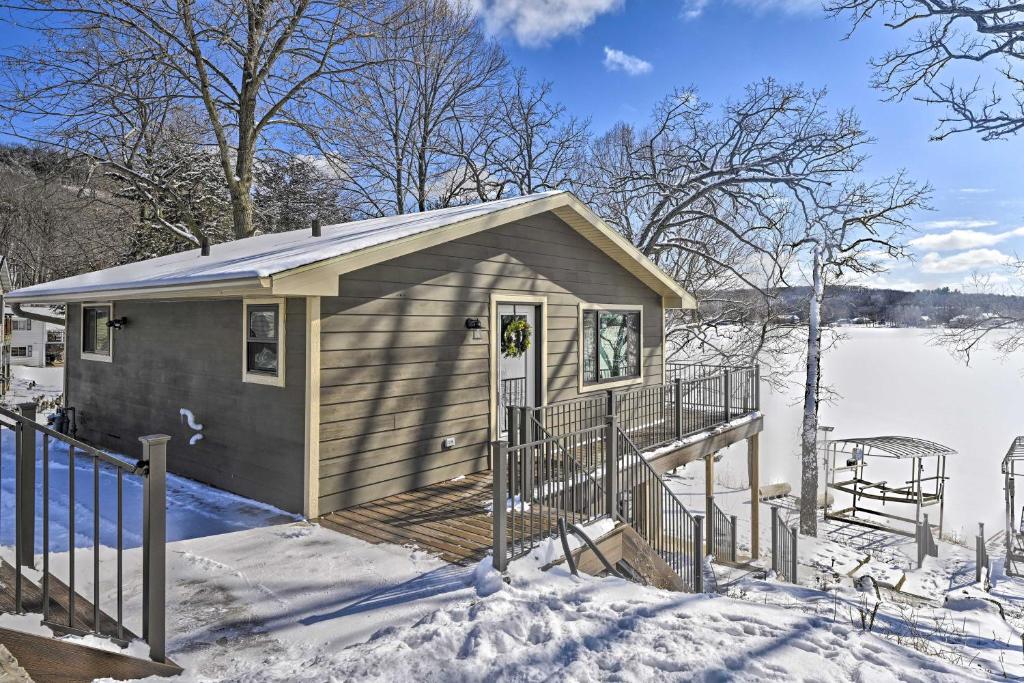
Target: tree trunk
[809,428]
[241,210]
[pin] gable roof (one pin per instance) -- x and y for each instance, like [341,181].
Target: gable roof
[297,264]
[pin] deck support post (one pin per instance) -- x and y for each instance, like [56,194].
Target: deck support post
[154,544]
[709,499]
[611,464]
[754,475]
[698,554]
[677,396]
[25,474]
[499,503]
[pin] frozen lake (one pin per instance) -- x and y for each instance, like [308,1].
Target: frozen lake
[892,381]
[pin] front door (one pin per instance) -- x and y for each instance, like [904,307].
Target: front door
[517,362]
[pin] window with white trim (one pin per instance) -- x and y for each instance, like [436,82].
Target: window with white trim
[97,333]
[263,361]
[610,344]
[21,324]
[21,352]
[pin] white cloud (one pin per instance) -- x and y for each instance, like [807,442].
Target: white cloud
[975,190]
[964,239]
[964,261]
[692,9]
[963,223]
[617,60]
[538,22]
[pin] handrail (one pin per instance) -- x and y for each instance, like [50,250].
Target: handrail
[646,503]
[33,446]
[784,551]
[723,533]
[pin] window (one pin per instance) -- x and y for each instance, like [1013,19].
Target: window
[21,352]
[610,340]
[21,324]
[97,341]
[264,342]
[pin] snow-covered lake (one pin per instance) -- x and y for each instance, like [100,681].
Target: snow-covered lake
[893,381]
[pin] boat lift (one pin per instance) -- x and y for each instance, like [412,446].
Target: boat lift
[847,461]
[1013,467]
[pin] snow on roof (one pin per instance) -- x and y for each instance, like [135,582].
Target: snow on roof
[266,255]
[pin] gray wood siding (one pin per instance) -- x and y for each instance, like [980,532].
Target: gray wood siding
[188,354]
[400,371]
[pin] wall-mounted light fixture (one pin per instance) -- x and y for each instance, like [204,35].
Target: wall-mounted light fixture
[117,323]
[474,324]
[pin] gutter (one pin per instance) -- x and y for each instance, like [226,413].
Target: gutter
[39,317]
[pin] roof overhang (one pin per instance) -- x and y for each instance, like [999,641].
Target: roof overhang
[322,278]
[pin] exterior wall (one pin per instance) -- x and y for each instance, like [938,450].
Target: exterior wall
[188,354]
[400,371]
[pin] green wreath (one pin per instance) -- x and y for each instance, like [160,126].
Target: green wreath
[515,338]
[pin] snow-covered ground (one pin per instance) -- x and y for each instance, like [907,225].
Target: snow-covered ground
[41,385]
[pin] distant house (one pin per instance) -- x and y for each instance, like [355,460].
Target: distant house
[32,342]
[320,371]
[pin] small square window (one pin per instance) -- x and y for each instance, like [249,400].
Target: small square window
[610,344]
[264,346]
[96,333]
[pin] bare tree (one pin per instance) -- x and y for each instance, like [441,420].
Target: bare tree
[708,195]
[109,78]
[1001,328]
[853,228]
[953,39]
[433,69]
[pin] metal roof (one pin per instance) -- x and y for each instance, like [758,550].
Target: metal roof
[1016,449]
[898,446]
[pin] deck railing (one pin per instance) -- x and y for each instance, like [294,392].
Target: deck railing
[653,415]
[784,555]
[70,481]
[644,501]
[722,534]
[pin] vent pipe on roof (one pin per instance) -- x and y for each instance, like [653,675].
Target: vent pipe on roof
[204,245]
[316,227]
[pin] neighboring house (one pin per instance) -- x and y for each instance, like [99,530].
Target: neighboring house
[32,342]
[320,372]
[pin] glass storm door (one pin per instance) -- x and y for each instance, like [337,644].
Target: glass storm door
[517,374]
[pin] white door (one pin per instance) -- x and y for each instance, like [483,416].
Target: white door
[517,375]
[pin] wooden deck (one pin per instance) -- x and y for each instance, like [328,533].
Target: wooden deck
[449,519]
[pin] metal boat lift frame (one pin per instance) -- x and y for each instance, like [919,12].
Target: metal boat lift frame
[847,459]
[1013,467]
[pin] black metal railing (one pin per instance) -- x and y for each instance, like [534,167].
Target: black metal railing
[654,415]
[784,554]
[722,533]
[538,482]
[644,501]
[75,495]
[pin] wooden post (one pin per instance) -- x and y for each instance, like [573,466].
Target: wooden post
[154,544]
[709,499]
[25,474]
[499,503]
[732,538]
[754,474]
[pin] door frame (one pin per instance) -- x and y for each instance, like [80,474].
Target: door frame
[494,345]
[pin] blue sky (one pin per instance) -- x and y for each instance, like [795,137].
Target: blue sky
[721,45]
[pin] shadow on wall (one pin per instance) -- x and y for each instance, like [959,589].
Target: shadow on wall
[193,510]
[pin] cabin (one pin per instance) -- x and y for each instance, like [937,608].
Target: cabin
[316,370]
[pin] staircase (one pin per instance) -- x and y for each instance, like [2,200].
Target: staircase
[584,460]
